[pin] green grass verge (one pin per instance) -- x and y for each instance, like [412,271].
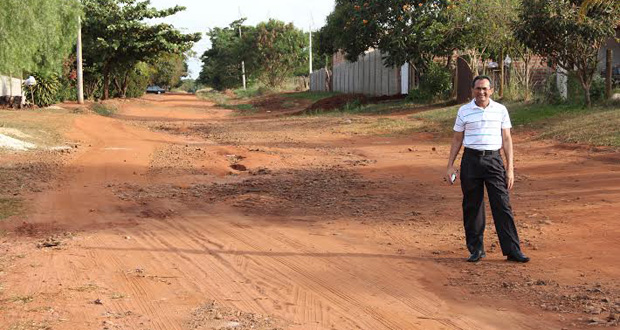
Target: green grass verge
[238,107]
[355,108]
[566,123]
[312,96]
[213,95]
[598,127]
[9,207]
[106,110]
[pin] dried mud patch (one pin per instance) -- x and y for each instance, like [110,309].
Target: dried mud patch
[330,192]
[215,316]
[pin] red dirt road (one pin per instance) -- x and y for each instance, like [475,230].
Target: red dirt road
[326,229]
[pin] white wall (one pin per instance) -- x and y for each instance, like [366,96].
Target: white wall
[10,86]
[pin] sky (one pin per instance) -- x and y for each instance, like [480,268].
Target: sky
[201,15]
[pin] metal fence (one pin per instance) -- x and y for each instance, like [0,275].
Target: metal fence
[367,76]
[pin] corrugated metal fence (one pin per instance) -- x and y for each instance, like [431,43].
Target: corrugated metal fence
[318,81]
[366,76]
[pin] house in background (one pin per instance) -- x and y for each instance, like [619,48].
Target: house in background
[612,43]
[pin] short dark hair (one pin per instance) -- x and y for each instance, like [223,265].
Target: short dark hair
[481,77]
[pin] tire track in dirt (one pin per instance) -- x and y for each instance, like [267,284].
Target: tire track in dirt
[337,275]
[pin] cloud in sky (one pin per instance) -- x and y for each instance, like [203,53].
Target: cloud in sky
[202,15]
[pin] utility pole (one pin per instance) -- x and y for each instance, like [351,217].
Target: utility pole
[310,49]
[80,73]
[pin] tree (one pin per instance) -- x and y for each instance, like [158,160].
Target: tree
[569,33]
[272,51]
[37,35]
[480,29]
[406,31]
[280,48]
[168,69]
[116,38]
[221,67]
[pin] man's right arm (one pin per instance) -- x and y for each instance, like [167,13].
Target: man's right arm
[457,142]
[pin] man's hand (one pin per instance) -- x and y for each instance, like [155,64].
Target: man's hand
[510,178]
[457,141]
[451,170]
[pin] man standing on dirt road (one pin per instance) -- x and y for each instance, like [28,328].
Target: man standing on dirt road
[483,128]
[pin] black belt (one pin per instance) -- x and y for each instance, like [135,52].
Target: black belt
[481,152]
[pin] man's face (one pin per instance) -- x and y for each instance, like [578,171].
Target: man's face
[482,91]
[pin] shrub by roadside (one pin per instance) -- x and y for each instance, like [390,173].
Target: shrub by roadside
[106,110]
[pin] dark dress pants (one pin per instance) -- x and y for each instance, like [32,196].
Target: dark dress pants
[478,171]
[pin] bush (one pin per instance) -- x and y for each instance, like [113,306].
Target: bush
[45,92]
[138,80]
[105,110]
[551,95]
[597,89]
[435,84]
[67,91]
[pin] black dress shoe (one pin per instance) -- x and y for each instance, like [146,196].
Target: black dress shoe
[476,256]
[518,257]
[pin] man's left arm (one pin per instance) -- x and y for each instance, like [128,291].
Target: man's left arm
[507,146]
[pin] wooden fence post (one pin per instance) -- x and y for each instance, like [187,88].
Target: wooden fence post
[608,74]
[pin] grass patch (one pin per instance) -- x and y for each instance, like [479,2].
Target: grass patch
[90,287]
[105,110]
[22,299]
[9,207]
[239,107]
[31,325]
[249,92]
[44,128]
[213,95]
[596,128]
[378,126]
[312,96]
[391,126]
[117,296]
[242,109]
[356,108]
[566,123]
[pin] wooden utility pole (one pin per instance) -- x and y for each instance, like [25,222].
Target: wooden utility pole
[608,75]
[80,73]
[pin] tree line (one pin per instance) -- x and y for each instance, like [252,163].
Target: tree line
[271,51]
[568,33]
[122,52]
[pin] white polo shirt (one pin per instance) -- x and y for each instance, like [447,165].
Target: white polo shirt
[482,127]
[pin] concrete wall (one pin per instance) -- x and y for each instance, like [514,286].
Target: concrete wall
[10,86]
[367,76]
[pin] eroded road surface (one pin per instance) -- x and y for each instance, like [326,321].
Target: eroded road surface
[178,215]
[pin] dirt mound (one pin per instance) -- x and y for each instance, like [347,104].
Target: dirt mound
[337,102]
[340,101]
[270,103]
